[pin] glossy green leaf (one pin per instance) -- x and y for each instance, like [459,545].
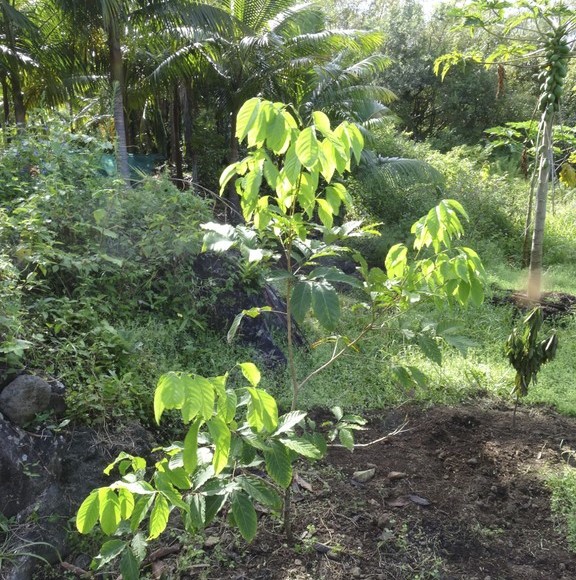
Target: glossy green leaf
[430,348]
[244,515]
[287,422]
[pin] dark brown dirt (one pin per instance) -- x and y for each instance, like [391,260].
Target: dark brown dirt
[555,305]
[487,513]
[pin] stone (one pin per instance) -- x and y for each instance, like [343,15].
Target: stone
[25,397]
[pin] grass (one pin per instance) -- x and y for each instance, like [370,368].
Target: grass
[563,487]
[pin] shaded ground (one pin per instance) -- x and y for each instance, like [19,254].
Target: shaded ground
[488,514]
[467,500]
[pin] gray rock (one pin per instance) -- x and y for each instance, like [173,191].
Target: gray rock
[24,398]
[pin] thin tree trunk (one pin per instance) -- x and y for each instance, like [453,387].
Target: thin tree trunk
[189,111]
[14,74]
[234,155]
[5,99]
[117,78]
[544,169]
[175,137]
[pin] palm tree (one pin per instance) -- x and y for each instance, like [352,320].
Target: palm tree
[20,36]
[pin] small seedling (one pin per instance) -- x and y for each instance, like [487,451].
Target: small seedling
[527,355]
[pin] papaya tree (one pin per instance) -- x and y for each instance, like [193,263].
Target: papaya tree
[524,33]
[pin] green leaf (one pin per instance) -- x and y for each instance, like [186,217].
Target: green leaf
[325,304]
[109,550]
[301,300]
[140,510]
[321,122]
[126,499]
[346,438]
[287,422]
[227,175]
[247,116]
[221,437]
[138,546]
[197,514]
[337,412]
[129,566]
[278,137]
[334,274]
[169,394]
[396,261]
[88,513]
[251,373]
[200,397]
[262,411]
[158,517]
[325,212]
[244,515]
[278,465]
[234,327]
[302,447]
[476,291]
[110,514]
[430,348]
[307,147]
[260,491]
[292,166]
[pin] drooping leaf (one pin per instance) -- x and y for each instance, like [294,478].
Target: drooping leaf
[110,514]
[221,437]
[262,411]
[158,517]
[325,304]
[307,147]
[129,566]
[244,515]
[301,300]
[278,464]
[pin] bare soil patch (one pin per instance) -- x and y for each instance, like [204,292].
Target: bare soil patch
[459,495]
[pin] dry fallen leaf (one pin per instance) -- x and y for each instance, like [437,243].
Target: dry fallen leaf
[419,500]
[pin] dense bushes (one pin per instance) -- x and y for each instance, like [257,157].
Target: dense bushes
[87,264]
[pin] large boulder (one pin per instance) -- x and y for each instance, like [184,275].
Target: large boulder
[25,397]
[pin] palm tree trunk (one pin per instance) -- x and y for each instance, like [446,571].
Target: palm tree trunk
[14,74]
[175,137]
[117,78]
[544,169]
[189,111]
[235,215]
